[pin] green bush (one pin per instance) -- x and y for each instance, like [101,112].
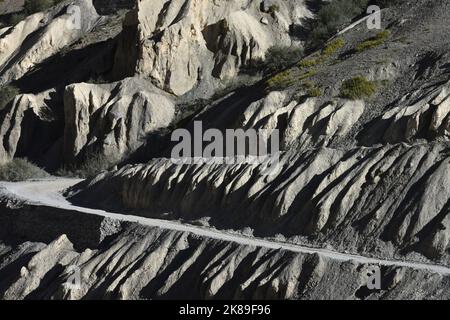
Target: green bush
[16,18]
[277,59]
[331,17]
[7,94]
[33,6]
[357,88]
[373,42]
[333,46]
[387,3]
[20,170]
[314,92]
[92,164]
[281,80]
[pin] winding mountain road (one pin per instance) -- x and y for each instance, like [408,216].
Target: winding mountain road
[48,192]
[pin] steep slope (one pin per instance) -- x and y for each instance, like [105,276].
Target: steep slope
[48,53]
[149,263]
[340,182]
[391,199]
[116,258]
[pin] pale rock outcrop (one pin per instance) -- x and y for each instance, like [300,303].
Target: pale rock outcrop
[41,35]
[112,119]
[427,117]
[311,124]
[308,123]
[59,252]
[109,120]
[180,45]
[15,122]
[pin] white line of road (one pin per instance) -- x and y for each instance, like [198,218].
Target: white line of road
[48,193]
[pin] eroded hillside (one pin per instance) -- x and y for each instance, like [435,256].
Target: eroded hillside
[364,123]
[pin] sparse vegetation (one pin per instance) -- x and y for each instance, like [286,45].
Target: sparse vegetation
[282,79]
[287,78]
[331,17]
[20,170]
[307,74]
[333,47]
[7,94]
[277,59]
[373,42]
[93,163]
[273,9]
[16,18]
[33,6]
[308,63]
[357,88]
[307,67]
[312,89]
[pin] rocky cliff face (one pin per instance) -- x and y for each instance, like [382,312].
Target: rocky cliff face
[41,35]
[112,119]
[184,45]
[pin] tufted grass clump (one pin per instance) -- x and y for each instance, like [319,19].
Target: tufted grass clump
[307,74]
[20,170]
[312,90]
[7,94]
[357,88]
[280,80]
[273,9]
[333,47]
[374,42]
[308,63]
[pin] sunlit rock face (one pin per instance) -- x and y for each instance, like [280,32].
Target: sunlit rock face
[41,35]
[180,45]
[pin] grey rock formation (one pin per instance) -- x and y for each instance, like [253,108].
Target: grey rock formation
[27,115]
[41,35]
[428,117]
[112,119]
[183,45]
